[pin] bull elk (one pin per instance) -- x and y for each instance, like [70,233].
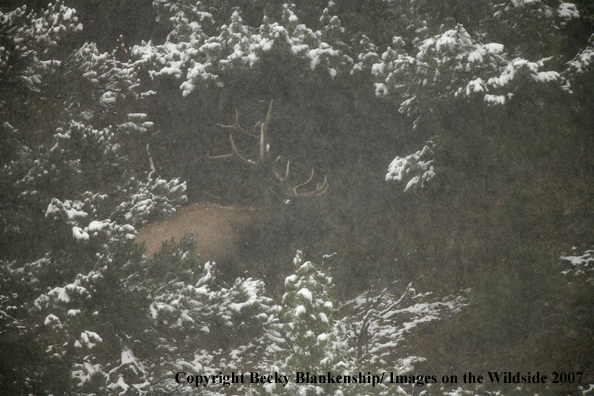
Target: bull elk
[224,234]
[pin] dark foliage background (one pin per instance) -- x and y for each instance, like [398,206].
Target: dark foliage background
[513,191]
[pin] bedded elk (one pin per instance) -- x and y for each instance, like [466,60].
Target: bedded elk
[226,234]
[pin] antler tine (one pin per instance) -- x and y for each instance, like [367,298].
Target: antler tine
[287,172]
[264,130]
[222,156]
[308,180]
[322,189]
[234,148]
[319,190]
[236,127]
[233,154]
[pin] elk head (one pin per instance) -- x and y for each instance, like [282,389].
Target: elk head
[264,160]
[228,235]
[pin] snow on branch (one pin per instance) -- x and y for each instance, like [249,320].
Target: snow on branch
[416,169]
[583,60]
[27,39]
[198,58]
[453,64]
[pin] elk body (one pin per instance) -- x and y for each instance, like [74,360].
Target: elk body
[227,235]
[221,233]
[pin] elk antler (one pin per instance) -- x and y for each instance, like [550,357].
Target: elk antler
[236,127]
[291,190]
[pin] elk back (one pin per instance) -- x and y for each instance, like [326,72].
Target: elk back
[221,233]
[236,238]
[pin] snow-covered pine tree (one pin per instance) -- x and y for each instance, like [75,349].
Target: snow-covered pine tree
[70,205]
